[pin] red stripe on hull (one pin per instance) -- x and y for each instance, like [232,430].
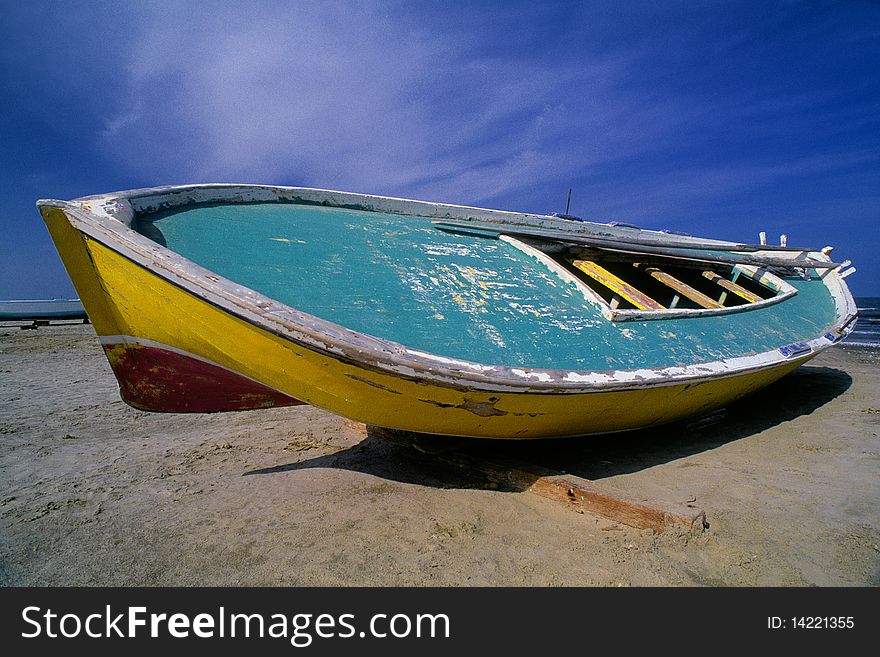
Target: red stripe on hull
[155,379]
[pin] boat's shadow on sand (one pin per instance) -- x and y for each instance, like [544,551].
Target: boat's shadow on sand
[458,463]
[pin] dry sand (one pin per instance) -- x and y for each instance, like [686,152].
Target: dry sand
[95,492]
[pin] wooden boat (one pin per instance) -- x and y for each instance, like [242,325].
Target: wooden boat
[430,317]
[44,309]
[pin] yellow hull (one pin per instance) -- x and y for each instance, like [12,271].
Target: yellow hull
[131,306]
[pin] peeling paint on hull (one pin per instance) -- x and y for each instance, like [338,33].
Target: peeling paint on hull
[152,378]
[132,286]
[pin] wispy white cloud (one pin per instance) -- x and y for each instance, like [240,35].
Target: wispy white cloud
[354,98]
[664,114]
[359,98]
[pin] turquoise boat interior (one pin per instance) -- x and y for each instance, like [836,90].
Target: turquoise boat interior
[474,297]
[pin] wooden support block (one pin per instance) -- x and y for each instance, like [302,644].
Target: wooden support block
[578,493]
[591,497]
[680,287]
[617,285]
[730,286]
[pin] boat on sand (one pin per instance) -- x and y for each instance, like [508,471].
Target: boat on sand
[430,317]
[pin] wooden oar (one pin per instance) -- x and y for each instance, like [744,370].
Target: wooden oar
[638,247]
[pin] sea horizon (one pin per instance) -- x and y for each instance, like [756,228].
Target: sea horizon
[867,330]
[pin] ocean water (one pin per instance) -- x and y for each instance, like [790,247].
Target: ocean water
[867,331]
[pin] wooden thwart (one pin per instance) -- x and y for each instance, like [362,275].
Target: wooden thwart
[730,286]
[617,285]
[681,287]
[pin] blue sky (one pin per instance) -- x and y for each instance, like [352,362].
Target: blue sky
[717,119]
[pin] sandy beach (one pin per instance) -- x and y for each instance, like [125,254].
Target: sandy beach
[93,492]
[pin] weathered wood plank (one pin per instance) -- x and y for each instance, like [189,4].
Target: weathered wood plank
[617,285]
[681,287]
[576,492]
[730,286]
[591,497]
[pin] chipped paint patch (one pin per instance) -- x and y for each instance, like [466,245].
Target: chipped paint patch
[286,240]
[537,376]
[373,383]
[451,361]
[482,409]
[591,378]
